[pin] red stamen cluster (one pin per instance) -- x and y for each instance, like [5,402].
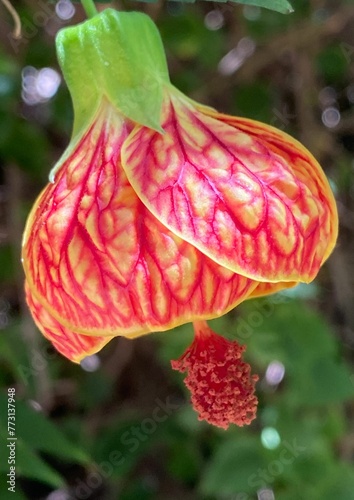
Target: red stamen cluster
[221,383]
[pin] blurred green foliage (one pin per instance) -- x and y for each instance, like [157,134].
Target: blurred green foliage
[277,5]
[93,434]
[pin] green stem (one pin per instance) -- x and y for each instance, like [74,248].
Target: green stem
[89,7]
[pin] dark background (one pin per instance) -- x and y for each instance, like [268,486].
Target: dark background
[91,432]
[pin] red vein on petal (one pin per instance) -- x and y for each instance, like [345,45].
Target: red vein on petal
[245,205]
[101,264]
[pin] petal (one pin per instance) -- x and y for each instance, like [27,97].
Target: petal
[304,166]
[263,289]
[249,197]
[100,263]
[72,345]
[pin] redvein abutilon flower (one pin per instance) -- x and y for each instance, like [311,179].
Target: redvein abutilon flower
[163,211]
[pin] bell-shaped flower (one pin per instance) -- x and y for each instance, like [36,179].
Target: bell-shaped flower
[163,211]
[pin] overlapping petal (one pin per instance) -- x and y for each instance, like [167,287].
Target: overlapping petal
[100,263]
[250,198]
[72,345]
[264,288]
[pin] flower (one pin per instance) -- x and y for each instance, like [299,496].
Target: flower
[154,219]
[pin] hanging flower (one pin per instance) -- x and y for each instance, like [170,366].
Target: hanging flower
[163,211]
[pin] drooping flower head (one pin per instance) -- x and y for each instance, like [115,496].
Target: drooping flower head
[163,211]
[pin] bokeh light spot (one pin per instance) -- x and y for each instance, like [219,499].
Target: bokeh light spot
[65,9]
[270,438]
[91,363]
[214,20]
[275,373]
[331,117]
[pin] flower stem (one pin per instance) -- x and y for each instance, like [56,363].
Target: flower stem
[89,7]
[17,20]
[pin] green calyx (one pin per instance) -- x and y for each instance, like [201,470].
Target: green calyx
[118,56]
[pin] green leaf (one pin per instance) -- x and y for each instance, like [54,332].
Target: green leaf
[325,381]
[340,483]
[120,439]
[118,56]
[278,5]
[232,465]
[301,339]
[184,460]
[5,494]
[41,434]
[28,463]
[14,356]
